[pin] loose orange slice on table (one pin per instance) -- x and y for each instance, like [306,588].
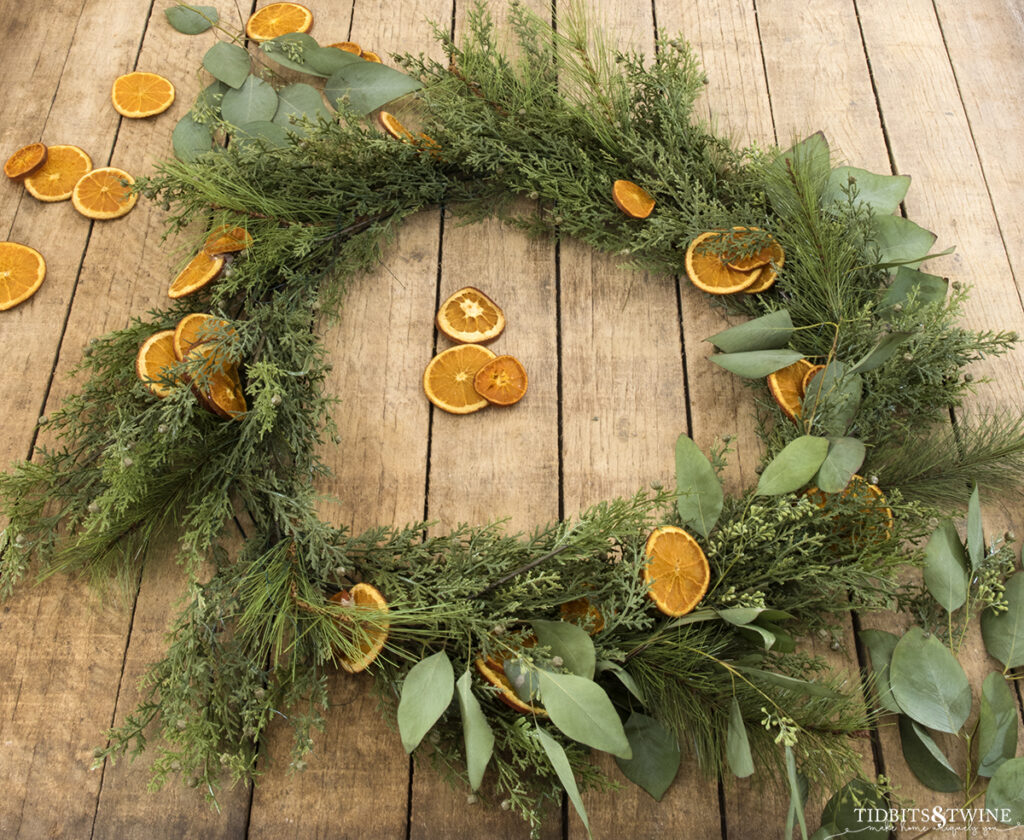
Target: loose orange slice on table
[22,270]
[138,95]
[470,317]
[156,356]
[495,674]
[104,193]
[502,381]
[25,161]
[448,379]
[348,46]
[811,372]
[226,239]
[371,56]
[677,572]
[55,180]
[710,273]
[278,19]
[201,270]
[366,597]
[582,612]
[196,328]
[393,127]
[787,386]
[632,199]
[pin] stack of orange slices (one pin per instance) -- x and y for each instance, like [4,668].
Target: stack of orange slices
[722,274]
[206,266]
[355,49]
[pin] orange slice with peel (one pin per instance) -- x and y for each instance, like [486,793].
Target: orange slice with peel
[449,377]
[710,273]
[374,629]
[754,260]
[677,572]
[470,317]
[632,199]
[25,161]
[811,372]
[195,328]
[138,95]
[370,56]
[581,611]
[348,46]
[278,19]
[389,122]
[859,486]
[502,381]
[201,271]
[55,180]
[494,673]
[104,193]
[787,387]
[220,388]
[155,357]
[22,270]
[227,239]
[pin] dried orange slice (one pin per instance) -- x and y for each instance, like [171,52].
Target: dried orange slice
[769,271]
[22,270]
[138,95]
[582,612]
[55,180]
[278,19]
[370,56]
[860,487]
[222,394]
[632,199]
[193,329]
[677,572]
[201,270]
[375,630]
[502,381]
[752,261]
[448,379]
[495,674]
[393,127]
[348,46]
[226,239]
[708,272]
[104,193]
[787,386]
[156,356]
[809,376]
[470,317]
[25,161]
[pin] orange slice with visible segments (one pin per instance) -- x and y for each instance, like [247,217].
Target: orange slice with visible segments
[787,386]
[393,127]
[193,329]
[708,272]
[138,95]
[495,674]
[227,239]
[348,46]
[55,180]
[278,19]
[201,270]
[632,199]
[22,270]
[502,381]
[155,356]
[448,379]
[25,161]
[374,628]
[470,317]
[677,572]
[104,193]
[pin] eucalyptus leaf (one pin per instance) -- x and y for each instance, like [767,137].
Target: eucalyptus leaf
[783,641]
[581,709]
[759,635]
[326,61]
[1005,794]
[834,396]
[796,796]
[364,86]
[228,63]
[524,679]
[569,641]
[902,241]
[975,531]
[190,139]
[884,349]
[426,693]
[769,332]
[254,101]
[623,676]
[928,683]
[740,616]
[260,133]
[563,769]
[811,158]
[1004,632]
[945,572]
[191,20]
[793,684]
[700,491]
[208,100]
[793,467]
[476,731]
[925,288]
[656,755]
[997,725]
[737,745]
[292,50]
[883,193]
[850,807]
[844,458]
[880,645]
[301,102]
[756,364]
[925,759]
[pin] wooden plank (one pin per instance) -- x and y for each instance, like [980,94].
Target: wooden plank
[357,780]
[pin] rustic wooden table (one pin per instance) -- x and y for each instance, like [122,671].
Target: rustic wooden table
[931,88]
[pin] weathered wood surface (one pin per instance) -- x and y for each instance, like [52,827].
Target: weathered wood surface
[900,85]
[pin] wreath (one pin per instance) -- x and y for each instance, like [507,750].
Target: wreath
[648,627]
